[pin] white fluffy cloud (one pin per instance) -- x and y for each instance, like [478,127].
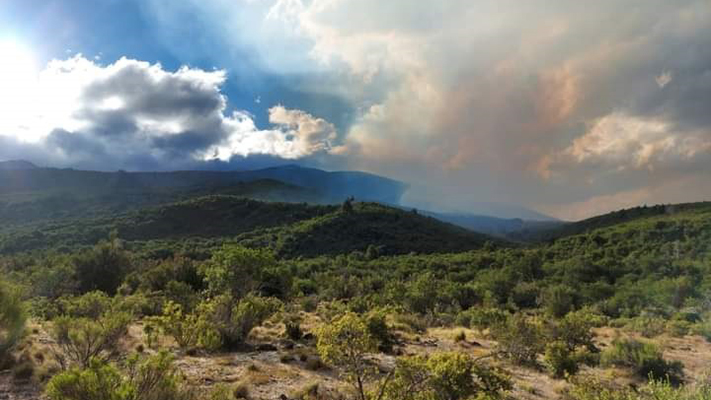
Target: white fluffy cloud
[618,142]
[132,110]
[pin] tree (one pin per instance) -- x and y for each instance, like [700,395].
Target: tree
[101,268]
[345,344]
[12,317]
[238,270]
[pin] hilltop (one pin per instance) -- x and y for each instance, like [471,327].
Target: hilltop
[291,229]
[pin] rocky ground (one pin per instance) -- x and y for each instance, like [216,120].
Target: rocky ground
[275,368]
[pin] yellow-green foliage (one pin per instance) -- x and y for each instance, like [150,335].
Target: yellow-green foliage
[81,339]
[12,317]
[234,319]
[97,381]
[644,358]
[443,376]
[153,378]
[519,339]
[188,329]
[592,389]
[344,343]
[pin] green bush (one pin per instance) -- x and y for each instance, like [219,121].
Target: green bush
[98,381]
[12,318]
[154,378]
[101,268]
[484,318]
[79,340]
[558,300]
[292,329]
[593,389]
[345,343]
[380,331]
[189,330]
[234,319]
[238,270]
[519,340]
[443,376]
[560,360]
[89,305]
[647,326]
[643,358]
[575,329]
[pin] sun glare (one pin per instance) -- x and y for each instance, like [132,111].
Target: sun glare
[18,80]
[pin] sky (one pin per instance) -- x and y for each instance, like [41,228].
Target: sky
[569,108]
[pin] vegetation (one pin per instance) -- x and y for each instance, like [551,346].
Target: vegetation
[379,294]
[12,318]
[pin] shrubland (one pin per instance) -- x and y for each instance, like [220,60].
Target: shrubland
[357,308]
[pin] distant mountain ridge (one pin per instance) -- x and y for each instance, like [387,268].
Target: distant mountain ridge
[14,165]
[331,186]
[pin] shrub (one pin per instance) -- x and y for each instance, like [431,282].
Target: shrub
[81,339]
[460,336]
[345,343]
[12,318]
[647,326]
[560,360]
[379,330]
[558,300]
[97,381]
[644,358]
[101,268]
[188,330]
[292,327]
[234,320]
[237,270]
[519,340]
[593,389]
[154,378]
[89,305]
[575,330]
[484,318]
[678,328]
[443,376]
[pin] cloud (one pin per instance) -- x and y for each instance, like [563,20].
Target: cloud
[618,142]
[133,114]
[547,103]
[536,102]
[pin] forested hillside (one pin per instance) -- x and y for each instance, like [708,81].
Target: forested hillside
[277,284]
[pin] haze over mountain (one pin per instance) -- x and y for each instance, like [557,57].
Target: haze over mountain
[471,103]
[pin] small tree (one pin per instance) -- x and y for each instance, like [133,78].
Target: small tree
[12,318]
[347,206]
[101,268]
[345,343]
[79,340]
[237,270]
[519,340]
[234,319]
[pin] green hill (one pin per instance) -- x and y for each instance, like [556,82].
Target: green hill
[631,215]
[663,231]
[293,229]
[386,230]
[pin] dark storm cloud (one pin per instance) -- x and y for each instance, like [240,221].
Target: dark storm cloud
[136,115]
